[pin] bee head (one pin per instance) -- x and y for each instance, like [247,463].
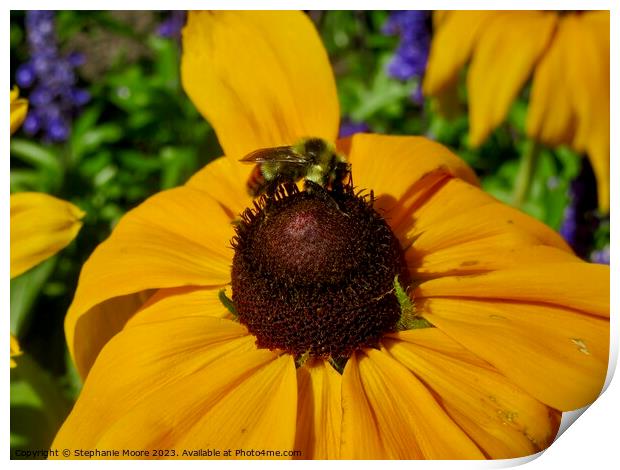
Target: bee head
[318,150]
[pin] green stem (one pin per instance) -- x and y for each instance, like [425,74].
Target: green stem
[529,160]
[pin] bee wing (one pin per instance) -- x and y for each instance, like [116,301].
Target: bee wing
[284,154]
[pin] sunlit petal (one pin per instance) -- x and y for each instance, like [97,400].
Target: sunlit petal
[319,411]
[558,356]
[399,409]
[503,420]
[176,238]
[41,226]
[503,60]
[261,78]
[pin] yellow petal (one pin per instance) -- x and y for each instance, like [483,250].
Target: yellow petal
[598,152]
[361,436]
[458,213]
[88,333]
[402,171]
[574,285]
[550,114]
[460,229]
[19,109]
[491,253]
[453,41]
[154,380]
[587,74]
[556,355]
[319,411]
[224,179]
[41,226]
[588,67]
[261,78]
[569,102]
[15,350]
[176,238]
[256,415]
[504,421]
[384,402]
[197,301]
[503,60]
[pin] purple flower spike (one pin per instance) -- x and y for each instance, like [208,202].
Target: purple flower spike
[580,221]
[32,124]
[409,60]
[348,127]
[172,26]
[25,75]
[54,99]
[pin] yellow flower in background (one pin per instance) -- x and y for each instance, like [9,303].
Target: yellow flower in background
[565,54]
[15,350]
[19,109]
[41,225]
[511,327]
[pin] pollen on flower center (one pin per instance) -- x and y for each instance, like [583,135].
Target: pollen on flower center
[303,242]
[313,272]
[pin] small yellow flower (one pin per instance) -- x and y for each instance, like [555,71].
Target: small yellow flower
[41,225]
[567,57]
[15,350]
[19,109]
[517,326]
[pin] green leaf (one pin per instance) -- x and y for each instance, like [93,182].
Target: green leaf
[40,157]
[226,302]
[24,292]
[177,165]
[94,138]
[167,63]
[408,319]
[29,180]
[71,381]
[384,92]
[139,161]
[38,406]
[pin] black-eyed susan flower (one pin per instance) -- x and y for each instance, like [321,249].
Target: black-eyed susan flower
[494,328]
[565,54]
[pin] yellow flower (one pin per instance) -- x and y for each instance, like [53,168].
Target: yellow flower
[41,225]
[567,56]
[15,350]
[520,325]
[19,109]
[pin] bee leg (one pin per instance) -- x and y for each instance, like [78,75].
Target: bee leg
[342,172]
[313,188]
[272,188]
[318,190]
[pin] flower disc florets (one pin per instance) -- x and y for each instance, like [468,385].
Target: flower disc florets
[313,272]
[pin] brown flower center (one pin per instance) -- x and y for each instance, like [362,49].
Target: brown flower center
[313,272]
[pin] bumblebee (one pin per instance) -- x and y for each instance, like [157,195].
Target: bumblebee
[313,159]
